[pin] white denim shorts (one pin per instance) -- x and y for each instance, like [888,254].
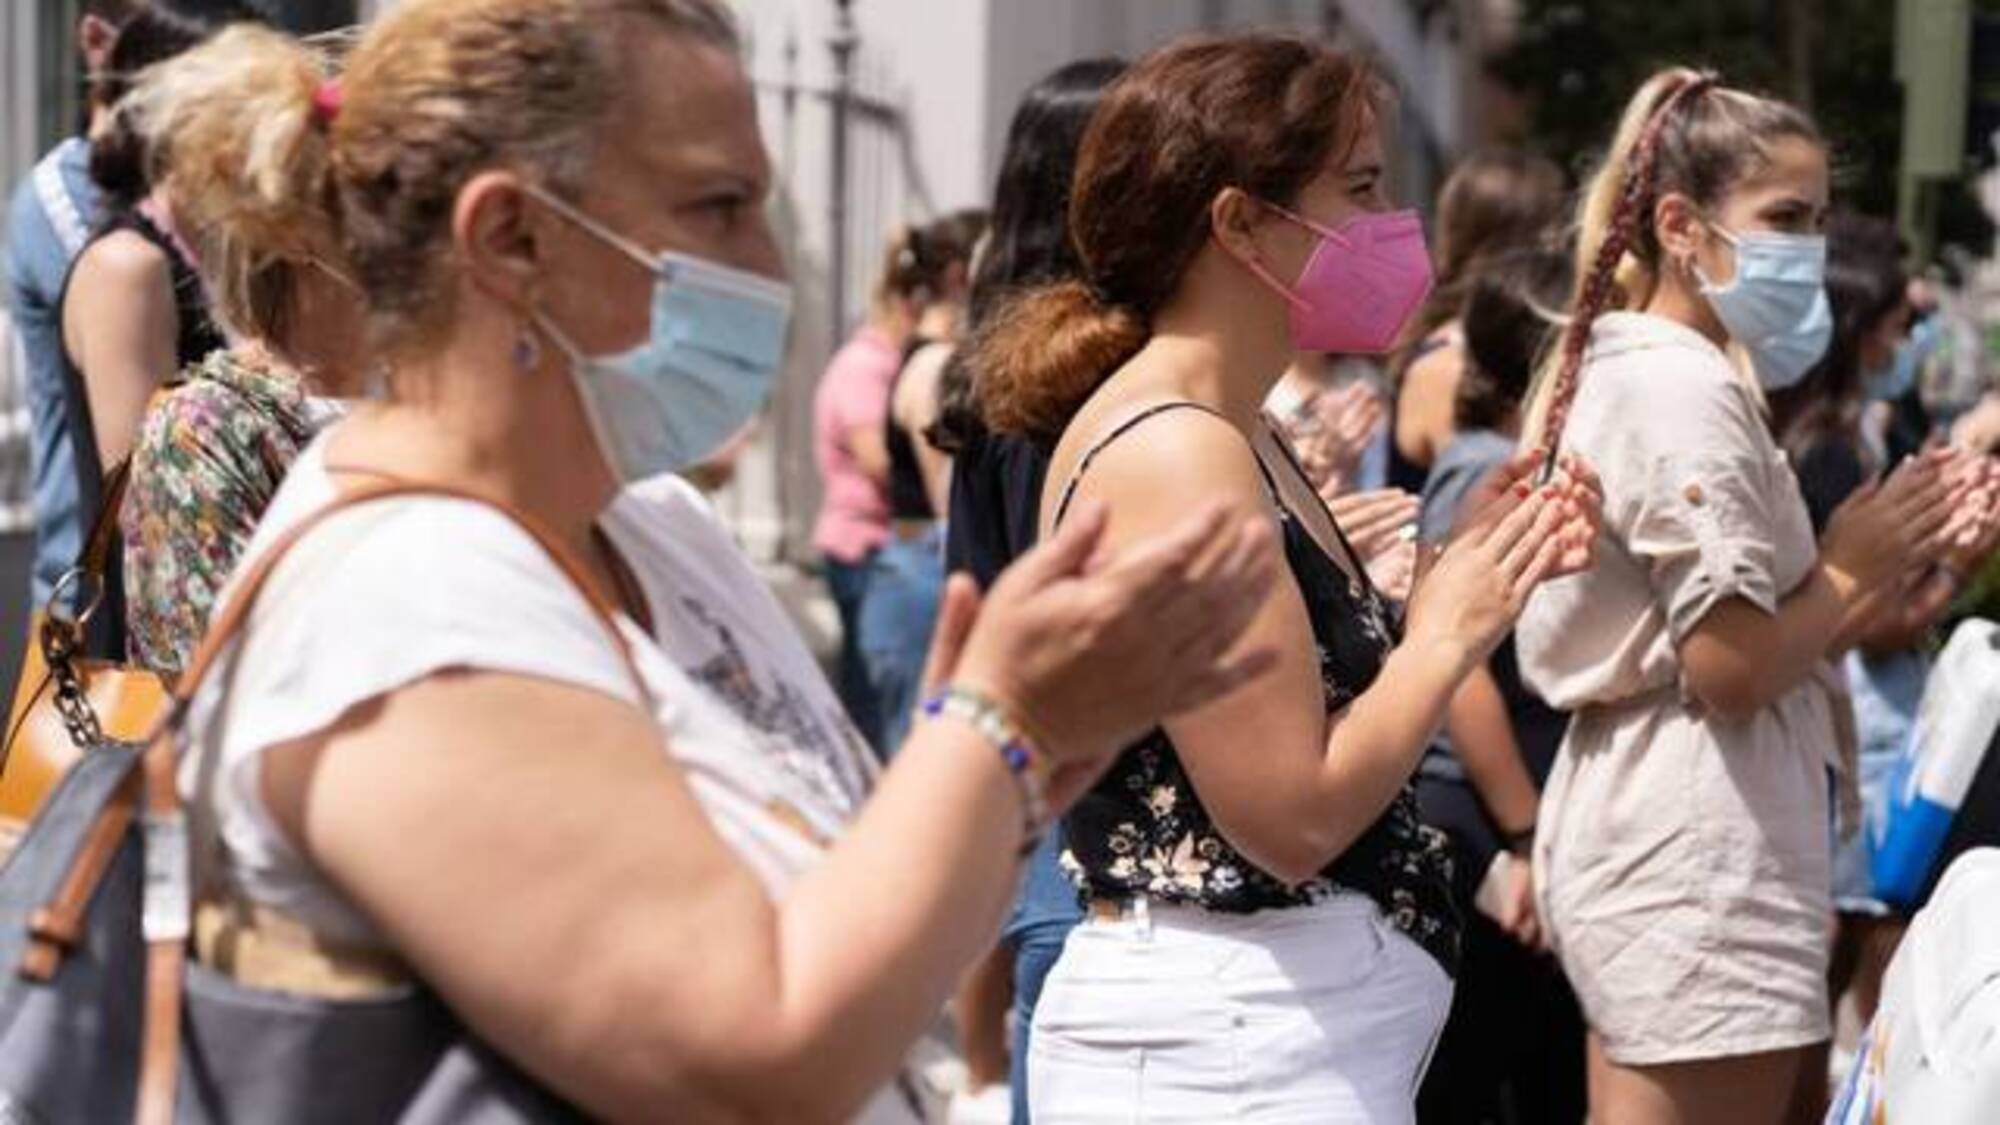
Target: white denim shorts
[1321,1013]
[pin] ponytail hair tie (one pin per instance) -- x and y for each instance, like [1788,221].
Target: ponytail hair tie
[1680,99]
[326,102]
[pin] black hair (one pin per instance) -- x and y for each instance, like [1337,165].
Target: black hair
[1028,239]
[925,255]
[157,31]
[114,12]
[1865,282]
[1508,322]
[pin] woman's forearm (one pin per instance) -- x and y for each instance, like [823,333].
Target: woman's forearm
[1740,660]
[1908,619]
[871,942]
[1373,747]
[1482,736]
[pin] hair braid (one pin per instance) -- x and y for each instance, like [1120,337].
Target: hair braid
[1634,202]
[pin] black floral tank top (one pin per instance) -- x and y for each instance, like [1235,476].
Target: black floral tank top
[1143,831]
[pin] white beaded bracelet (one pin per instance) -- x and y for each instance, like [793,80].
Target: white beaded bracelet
[990,721]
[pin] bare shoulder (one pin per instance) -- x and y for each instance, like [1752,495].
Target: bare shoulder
[120,295]
[916,391]
[123,263]
[1153,464]
[1436,370]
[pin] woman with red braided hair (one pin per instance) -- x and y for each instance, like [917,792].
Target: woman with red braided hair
[1684,854]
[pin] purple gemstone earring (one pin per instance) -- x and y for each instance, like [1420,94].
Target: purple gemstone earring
[527,350]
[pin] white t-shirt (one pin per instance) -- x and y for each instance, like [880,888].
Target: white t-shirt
[388,593]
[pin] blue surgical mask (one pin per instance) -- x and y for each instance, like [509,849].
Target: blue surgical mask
[705,370]
[1899,376]
[1776,306]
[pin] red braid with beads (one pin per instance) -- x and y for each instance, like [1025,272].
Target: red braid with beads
[1635,203]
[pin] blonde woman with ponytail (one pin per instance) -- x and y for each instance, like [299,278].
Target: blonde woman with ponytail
[527,733]
[212,451]
[1683,854]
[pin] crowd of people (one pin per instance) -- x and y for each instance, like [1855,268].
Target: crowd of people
[1290,670]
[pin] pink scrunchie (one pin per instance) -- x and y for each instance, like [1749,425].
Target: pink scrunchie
[327,100]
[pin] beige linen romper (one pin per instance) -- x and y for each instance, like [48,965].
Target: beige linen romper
[1683,861]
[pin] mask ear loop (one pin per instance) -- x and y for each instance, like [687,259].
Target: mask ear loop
[1258,271]
[591,225]
[1317,228]
[337,277]
[1735,249]
[1261,273]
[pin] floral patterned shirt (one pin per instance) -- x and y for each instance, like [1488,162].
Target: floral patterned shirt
[210,455]
[1143,831]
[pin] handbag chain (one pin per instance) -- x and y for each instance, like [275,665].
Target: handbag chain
[60,641]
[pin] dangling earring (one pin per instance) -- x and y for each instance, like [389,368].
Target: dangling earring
[527,349]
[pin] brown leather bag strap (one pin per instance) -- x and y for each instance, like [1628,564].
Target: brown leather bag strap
[169,885]
[96,554]
[94,559]
[250,584]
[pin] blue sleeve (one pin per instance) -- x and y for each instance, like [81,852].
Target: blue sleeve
[30,240]
[1444,495]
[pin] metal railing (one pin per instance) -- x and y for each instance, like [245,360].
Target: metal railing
[834,217]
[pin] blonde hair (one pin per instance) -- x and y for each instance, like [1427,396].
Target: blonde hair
[1682,133]
[231,136]
[276,169]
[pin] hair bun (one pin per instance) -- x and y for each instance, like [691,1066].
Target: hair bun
[1042,353]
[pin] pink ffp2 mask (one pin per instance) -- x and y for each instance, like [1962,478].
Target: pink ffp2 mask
[1361,284]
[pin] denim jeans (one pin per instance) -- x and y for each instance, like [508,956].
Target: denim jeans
[899,610]
[848,584]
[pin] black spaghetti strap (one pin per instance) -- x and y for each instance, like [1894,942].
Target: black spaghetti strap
[1127,426]
[1353,557]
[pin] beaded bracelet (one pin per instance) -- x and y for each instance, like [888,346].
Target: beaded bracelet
[989,720]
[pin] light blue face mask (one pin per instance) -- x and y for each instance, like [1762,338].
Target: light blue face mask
[705,370]
[1776,306]
[1899,376]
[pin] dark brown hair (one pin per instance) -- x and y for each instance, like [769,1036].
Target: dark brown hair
[1263,113]
[1865,285]
[1492,203]
[113,12]
[120,158]
[1028,241]
[1510,313]
[920,256]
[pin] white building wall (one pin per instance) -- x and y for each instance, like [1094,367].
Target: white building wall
[922,64]
[21,32]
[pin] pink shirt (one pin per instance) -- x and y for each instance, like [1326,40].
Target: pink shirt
[853,394]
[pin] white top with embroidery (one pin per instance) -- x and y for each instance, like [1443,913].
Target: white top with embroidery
[391,592]
[394,591]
